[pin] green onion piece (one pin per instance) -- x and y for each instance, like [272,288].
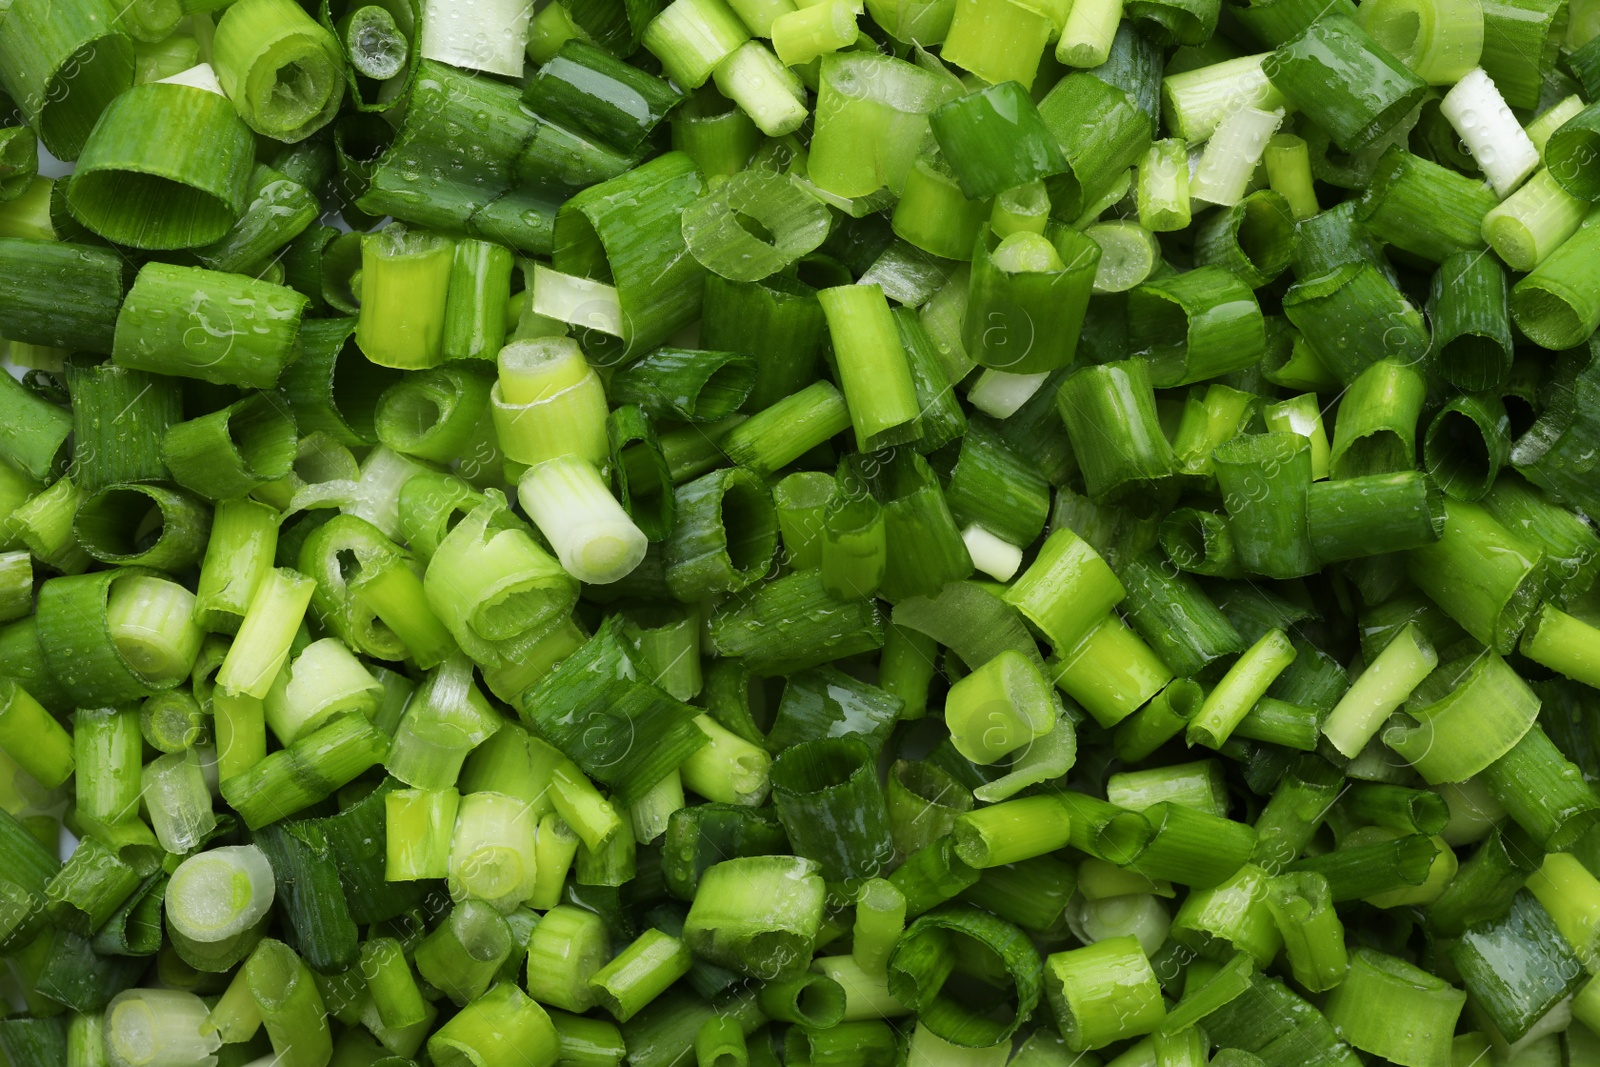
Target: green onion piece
[1289,174]
[1533,222]
[118,417]
[232,451]
[307,771]
[373,41]
[276,212]
[1566,149]
[831,807]
[1366,516]
[291,1008]
[1386,683]
[777,435]
[995,140]
[607,233]
[1101,130]
[265,633]
[492,850]
[757,915]
[154,1026]
[1109,671]
[793,623]
[813,32]
[405,280]
[691,38]
[1000,707]
[106,751]
[1423,208]
[60,295]
[1553,305]
[585,87]
[1193,847]
[620,729]
[923,803]
[718,239]
[1163,717]
[1010,832]
[1382,988]
[1163,187]
[1470,315]
[1484,707]
[1252,239]
[1239,690]
[1265,480]
[1517,966]
[220,893]
[1066,591]
[502,1023]
[1538,787]
[179,801]
[116,635]
[1376,432]
[1340,313]
[1562,643]
[221,328]
[1384,864]
[462,955]
[574,509]
[1521,39]
[780,317]
[549,402]
[876,378]
[926,959]
[687,384]
[1313,936]
[1440,42]
[1103,993]
[997,40]
[640,972]
[1094,399]
[445,719]
[1492,597]
[1344,81]
[280,69]
[1465,446]
[419,825]
[1196,101]
[1028,298]
[1229,917]
[1232,155]
[1195,326]
[32,737]
[142,525]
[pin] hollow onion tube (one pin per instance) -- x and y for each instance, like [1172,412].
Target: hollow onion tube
[1344,81]
[715,237]
[116,635]
[1465,446]
[630,229]
[280,69]
[971,130]
[1194,326]
[1468,715]
[1102,131]
[1265,479]
[1028,296]
[63,68]
[1137,455]
[1424,208]
[219,893]
[875,375]
[142,181]
[924,960]
[1103,993]
[230,452]
[1573,142]
[1441,42]
[1380,988]
[757,915]
[306,772]
[1483,576]
[549,402]
[997,40]
[1353,317]
[1555,305]
[1246,681]
[492,585]
[594,538]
